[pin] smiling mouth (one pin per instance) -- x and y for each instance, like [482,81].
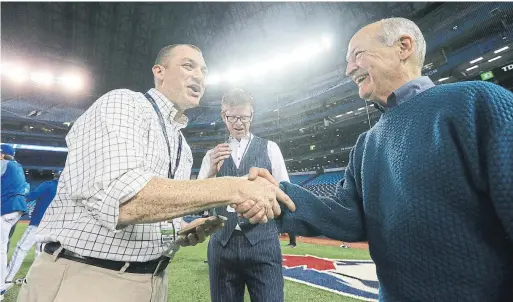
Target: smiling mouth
[195,88]
[359,79]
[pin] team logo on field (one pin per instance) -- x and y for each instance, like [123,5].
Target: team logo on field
[351,278]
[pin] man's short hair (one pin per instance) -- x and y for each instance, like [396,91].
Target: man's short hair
[393,28]
[166,52]
[236,97]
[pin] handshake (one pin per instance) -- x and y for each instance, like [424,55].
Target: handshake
[258,197]
[255,198]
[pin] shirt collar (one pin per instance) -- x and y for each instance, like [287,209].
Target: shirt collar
[246,139]
[408,91]
[168,109]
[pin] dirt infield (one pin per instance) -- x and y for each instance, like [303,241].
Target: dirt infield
[329,242]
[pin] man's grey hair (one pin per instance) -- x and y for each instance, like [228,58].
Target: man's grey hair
[393,28]
[236,97]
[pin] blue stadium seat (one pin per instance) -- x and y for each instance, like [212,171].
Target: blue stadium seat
[299,179]
[327,178]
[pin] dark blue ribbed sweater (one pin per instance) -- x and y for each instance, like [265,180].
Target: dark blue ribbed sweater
[430,187]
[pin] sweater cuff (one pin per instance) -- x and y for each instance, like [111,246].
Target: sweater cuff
[284,222]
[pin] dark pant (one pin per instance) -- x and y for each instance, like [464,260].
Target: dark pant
[292,239]
[239,264]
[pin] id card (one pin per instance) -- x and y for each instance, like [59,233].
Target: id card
[168,232]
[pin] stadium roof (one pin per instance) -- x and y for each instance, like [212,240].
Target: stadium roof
[115,44]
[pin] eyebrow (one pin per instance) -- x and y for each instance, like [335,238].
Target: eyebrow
[190,60]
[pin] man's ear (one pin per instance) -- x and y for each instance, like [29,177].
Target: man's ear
[406,46]
[158,72]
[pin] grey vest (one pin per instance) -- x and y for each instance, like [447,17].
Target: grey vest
[256,156]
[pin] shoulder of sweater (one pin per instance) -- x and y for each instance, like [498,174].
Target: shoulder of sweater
[475,93]
[469,88]
[360,142]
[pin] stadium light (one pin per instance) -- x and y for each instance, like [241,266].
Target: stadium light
[259,69]
[501,49]
[39,148]
[233,75]
[42,77]
[476,60]
[349,112]
[473,67]
[212,79]
[493,59]
[361,108]
[442,79]
[71,82]
[305,52]
[301,53]
[17,74]
[326,41]
[279,62]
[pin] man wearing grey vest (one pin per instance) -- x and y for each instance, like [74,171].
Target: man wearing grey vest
[242,253]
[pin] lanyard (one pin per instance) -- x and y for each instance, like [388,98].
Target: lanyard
[171,171]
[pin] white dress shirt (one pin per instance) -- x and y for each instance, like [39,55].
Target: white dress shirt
[114,149]
[279,170]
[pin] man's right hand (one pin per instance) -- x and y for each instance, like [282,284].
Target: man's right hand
[258,199]
[217,157]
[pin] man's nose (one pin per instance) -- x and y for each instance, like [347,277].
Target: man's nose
[351,68]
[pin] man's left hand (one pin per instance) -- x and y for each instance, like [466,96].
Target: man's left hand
[204,228]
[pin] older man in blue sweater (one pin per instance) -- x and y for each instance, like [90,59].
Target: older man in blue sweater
[430,186]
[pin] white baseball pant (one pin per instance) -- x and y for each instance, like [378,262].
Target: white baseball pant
[26,242]
[6,223]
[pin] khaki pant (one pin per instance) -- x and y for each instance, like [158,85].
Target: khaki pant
[63,280]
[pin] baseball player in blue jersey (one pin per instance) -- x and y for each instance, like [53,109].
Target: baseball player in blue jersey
[43,195]
[14,189]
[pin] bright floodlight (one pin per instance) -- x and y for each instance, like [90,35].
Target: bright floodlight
[5,68]
[326,42]
[17,74]
[280,61]
[233,75]
[306,51]
[71,82]
[43,78]
[212,79]
[258,69]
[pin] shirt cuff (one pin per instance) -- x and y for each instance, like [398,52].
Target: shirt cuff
[122,189]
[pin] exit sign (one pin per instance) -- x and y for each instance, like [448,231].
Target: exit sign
[486,75]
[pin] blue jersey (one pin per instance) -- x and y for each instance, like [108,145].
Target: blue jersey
[14,187]
[43,195]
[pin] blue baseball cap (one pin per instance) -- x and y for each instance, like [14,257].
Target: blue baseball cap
[7,149]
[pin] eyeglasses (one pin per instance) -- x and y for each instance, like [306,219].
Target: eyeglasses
[234,119]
